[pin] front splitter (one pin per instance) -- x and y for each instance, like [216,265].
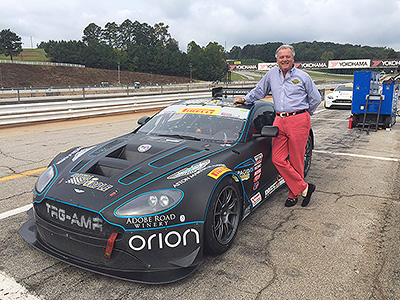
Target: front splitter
[29,233]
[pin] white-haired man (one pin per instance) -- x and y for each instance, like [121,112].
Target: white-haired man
[295,97]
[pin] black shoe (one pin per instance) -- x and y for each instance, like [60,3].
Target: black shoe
[307,198]
[290,202]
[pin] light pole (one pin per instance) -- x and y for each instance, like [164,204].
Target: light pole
[119,74]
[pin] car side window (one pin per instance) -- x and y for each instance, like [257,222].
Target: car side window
[264,115]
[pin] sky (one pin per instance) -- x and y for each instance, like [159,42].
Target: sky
[229,23]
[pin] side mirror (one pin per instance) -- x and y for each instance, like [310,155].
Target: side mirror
[268,131]
[143,120]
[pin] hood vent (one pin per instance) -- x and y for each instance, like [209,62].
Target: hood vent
[133,176]
[173,157]
[130,153]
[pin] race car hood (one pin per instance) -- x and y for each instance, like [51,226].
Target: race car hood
[94,177]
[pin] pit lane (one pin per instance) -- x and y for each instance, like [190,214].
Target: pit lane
[344,245]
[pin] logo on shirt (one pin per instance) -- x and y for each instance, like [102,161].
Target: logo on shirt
[295,81]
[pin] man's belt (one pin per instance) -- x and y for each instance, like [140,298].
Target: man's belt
[287,114]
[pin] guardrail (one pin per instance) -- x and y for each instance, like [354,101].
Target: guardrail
[23,113]
[35,112]
[39,63]
[30,94]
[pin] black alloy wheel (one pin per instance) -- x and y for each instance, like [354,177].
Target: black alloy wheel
[223,217]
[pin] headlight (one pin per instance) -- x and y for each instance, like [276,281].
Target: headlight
[44,179]
[330,97]
[150,203]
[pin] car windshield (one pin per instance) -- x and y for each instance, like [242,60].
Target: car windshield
[344,88]
[219,124]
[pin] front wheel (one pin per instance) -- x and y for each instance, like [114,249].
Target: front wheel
[223,217]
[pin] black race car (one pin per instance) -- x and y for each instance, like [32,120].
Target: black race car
[145,206]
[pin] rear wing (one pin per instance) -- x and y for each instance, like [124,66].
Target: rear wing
[230,91]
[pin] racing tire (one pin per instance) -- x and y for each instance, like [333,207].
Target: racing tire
[223,217]
[308,155]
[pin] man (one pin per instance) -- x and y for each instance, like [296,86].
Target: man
[295,98]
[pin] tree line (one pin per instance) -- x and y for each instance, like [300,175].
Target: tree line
[135,46]
[313,51]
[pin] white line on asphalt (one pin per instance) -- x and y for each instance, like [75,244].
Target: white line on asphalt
[11,290]
[15,211]
[329,119]
[318,111]
[358,155]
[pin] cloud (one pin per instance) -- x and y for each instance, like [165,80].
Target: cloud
[234,22]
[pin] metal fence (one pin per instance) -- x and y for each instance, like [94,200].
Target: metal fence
[48,111]
[39,63]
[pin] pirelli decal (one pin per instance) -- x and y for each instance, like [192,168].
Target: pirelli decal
[199,111]
[217,172]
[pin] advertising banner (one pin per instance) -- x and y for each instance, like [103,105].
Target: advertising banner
[349,64]
[387,63]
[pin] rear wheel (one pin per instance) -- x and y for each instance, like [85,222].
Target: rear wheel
[223,217]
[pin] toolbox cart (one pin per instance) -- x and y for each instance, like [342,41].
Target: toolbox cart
[374,104]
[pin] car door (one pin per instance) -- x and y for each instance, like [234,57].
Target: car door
[256,169]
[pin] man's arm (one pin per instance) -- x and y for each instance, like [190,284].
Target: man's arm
[314,97]
[259,92]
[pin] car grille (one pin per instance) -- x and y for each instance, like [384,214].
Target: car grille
[75,219]
[342,101]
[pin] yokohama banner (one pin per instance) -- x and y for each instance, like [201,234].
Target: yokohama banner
[332,64]
[388,63]
[349,64]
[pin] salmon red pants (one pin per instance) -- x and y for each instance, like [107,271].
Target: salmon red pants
[288,150]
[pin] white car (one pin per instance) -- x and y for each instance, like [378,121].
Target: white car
[341,96]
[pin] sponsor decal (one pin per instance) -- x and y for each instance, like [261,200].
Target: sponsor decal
[244,174]
[255,186]
[257,178]
[217,172]
[192,175]
[257,172]
[258,157]
[256,199]
[88,181]
[144,148]
[78,152]
[150,221]
[199,111]
[112,194]
[190,170]
[172,239]
[272,188]
[79,191]
[82,221]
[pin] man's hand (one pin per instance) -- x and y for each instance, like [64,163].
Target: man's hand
[238,100]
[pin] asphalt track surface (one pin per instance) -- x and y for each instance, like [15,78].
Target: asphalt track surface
[344,245]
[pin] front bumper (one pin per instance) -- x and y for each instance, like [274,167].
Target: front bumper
[87,252]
